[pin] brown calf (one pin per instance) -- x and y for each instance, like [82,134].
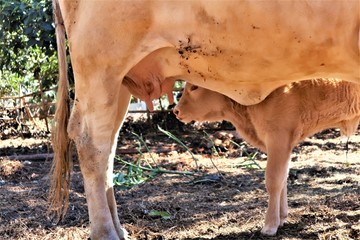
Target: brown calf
[277,124]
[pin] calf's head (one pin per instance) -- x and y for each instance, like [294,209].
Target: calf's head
[200,104]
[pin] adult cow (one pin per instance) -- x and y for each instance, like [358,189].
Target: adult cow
[243,49]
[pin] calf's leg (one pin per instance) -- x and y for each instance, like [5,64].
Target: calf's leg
[98,112]
[275,179]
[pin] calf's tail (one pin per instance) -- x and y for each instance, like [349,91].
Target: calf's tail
[61,166]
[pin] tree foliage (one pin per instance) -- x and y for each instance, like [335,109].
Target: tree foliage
[27,46]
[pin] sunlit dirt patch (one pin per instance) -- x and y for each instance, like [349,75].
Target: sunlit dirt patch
[9,168]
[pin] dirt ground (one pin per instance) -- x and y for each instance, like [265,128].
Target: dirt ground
[225,199]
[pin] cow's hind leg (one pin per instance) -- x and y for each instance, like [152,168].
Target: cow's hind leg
[98,112]
[123,103]
[275,178]
[283,205]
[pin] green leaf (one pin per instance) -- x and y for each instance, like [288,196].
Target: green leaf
[163,214]
[47,27]
[28,30]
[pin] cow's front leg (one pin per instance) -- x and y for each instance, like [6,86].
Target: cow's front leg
[94,126]
[275,178]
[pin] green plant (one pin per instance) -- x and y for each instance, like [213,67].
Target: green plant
[137,174]
[172,136]
[214,151]
[163,214]
[250,162]
[134,175]
[140,143]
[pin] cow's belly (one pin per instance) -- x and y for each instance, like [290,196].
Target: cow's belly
[246,78]
[247,58]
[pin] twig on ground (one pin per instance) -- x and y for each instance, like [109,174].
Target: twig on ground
[141,141]
[213,150]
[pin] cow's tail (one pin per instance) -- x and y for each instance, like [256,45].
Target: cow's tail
[60,170]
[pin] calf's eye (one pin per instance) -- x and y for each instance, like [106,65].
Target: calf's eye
[193,88]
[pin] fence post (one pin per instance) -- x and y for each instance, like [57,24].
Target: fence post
[43,109]
[20,109]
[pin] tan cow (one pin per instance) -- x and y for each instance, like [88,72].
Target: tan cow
[243,49]
[277,124]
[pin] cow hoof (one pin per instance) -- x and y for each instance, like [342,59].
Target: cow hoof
[282,221]
[124,235]
[269,231]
